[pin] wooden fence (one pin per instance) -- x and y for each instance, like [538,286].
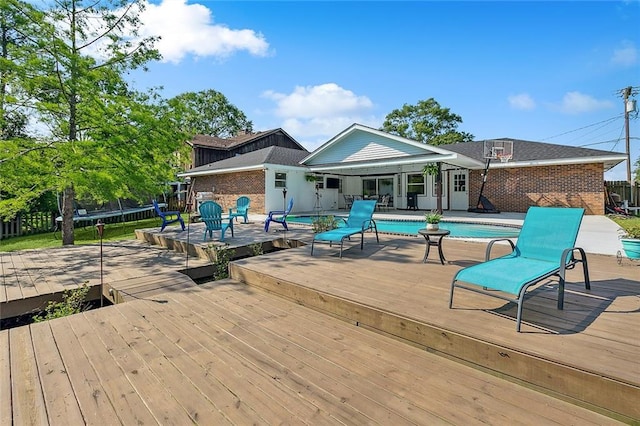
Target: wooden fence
[28,224]
[624,190]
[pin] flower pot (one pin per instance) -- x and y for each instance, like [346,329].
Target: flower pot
[433,226]
[631,247]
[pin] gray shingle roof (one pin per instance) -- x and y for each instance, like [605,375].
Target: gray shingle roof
[270,155]
[529,151]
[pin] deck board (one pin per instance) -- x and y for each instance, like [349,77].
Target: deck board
[597,324]
[230,352]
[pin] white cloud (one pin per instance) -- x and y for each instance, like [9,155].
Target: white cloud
[576,103]
[188,29]
[522,101]
[314,112]
[325,100]
[625,56]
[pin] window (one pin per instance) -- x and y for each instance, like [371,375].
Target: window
[369,187]
[415,184]
[319,182]
[333,183]
[459,182]
[281,180]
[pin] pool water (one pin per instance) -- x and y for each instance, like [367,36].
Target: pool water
[457,229]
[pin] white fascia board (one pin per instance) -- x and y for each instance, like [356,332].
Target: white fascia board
[241,169]
[222,171]
[384,162]
[566,161]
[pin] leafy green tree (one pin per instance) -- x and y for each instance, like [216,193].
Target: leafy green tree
[14,30]
[426,122]
[209,113]
[429,123]
[101,138]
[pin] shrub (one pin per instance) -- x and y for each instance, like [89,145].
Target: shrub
[73,302]
[222,255]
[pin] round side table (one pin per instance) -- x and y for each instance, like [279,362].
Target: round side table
[436,241]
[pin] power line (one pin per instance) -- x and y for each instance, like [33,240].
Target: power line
[604,142]
[586,127]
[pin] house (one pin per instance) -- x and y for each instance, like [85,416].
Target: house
[209,149]
[364,161]
[262,175]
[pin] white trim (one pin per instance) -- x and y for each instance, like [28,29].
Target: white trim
[358,127]
[240,169]
[555,162]
[384,162]
[222,171]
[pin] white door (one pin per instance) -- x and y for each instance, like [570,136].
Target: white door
[459,190]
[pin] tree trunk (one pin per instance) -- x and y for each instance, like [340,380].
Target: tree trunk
[67,216]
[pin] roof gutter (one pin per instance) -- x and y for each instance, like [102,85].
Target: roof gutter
[537,163]
[222,171]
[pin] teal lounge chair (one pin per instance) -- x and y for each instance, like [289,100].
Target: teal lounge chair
[167,217]
[545,248]
[211,215]
[360,220]
[241,210]
[279,216]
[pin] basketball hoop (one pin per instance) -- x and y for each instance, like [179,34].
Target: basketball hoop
[504,158]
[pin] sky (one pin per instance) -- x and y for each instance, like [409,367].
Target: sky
[546,71]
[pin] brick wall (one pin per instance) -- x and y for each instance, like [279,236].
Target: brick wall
[516,189]
[228,187]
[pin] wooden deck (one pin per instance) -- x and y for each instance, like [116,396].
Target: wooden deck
[31,278]
[389,352]
[590,351]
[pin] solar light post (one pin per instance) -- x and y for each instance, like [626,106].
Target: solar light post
[100,228]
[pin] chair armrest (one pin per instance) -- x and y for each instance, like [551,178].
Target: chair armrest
[567,262]
[276,212]
[367,224]
[487,255]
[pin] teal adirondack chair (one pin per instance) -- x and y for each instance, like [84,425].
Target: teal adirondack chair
[545,247]
[241,209]
[360,220]
[211,215]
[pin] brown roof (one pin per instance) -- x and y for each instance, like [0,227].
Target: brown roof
[228,143]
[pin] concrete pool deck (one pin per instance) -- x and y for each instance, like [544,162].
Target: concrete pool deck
[598,234]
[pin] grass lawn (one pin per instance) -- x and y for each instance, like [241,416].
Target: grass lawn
[112,232]
[630,224]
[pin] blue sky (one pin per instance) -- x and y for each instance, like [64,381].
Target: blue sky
[542,71]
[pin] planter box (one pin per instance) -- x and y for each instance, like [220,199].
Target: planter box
[631,247]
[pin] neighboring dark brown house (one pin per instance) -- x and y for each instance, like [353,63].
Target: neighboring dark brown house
[209,149]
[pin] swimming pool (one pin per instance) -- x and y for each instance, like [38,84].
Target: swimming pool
[411,227]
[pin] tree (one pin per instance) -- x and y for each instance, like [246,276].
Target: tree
[13,121]
[426,122]
[103,139]
[209,113]
[429,123]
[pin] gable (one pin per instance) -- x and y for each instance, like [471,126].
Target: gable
[363,146]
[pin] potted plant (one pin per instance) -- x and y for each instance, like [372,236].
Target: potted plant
[630,239]
[433,218]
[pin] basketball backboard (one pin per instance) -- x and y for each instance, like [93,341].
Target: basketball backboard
[498,149]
